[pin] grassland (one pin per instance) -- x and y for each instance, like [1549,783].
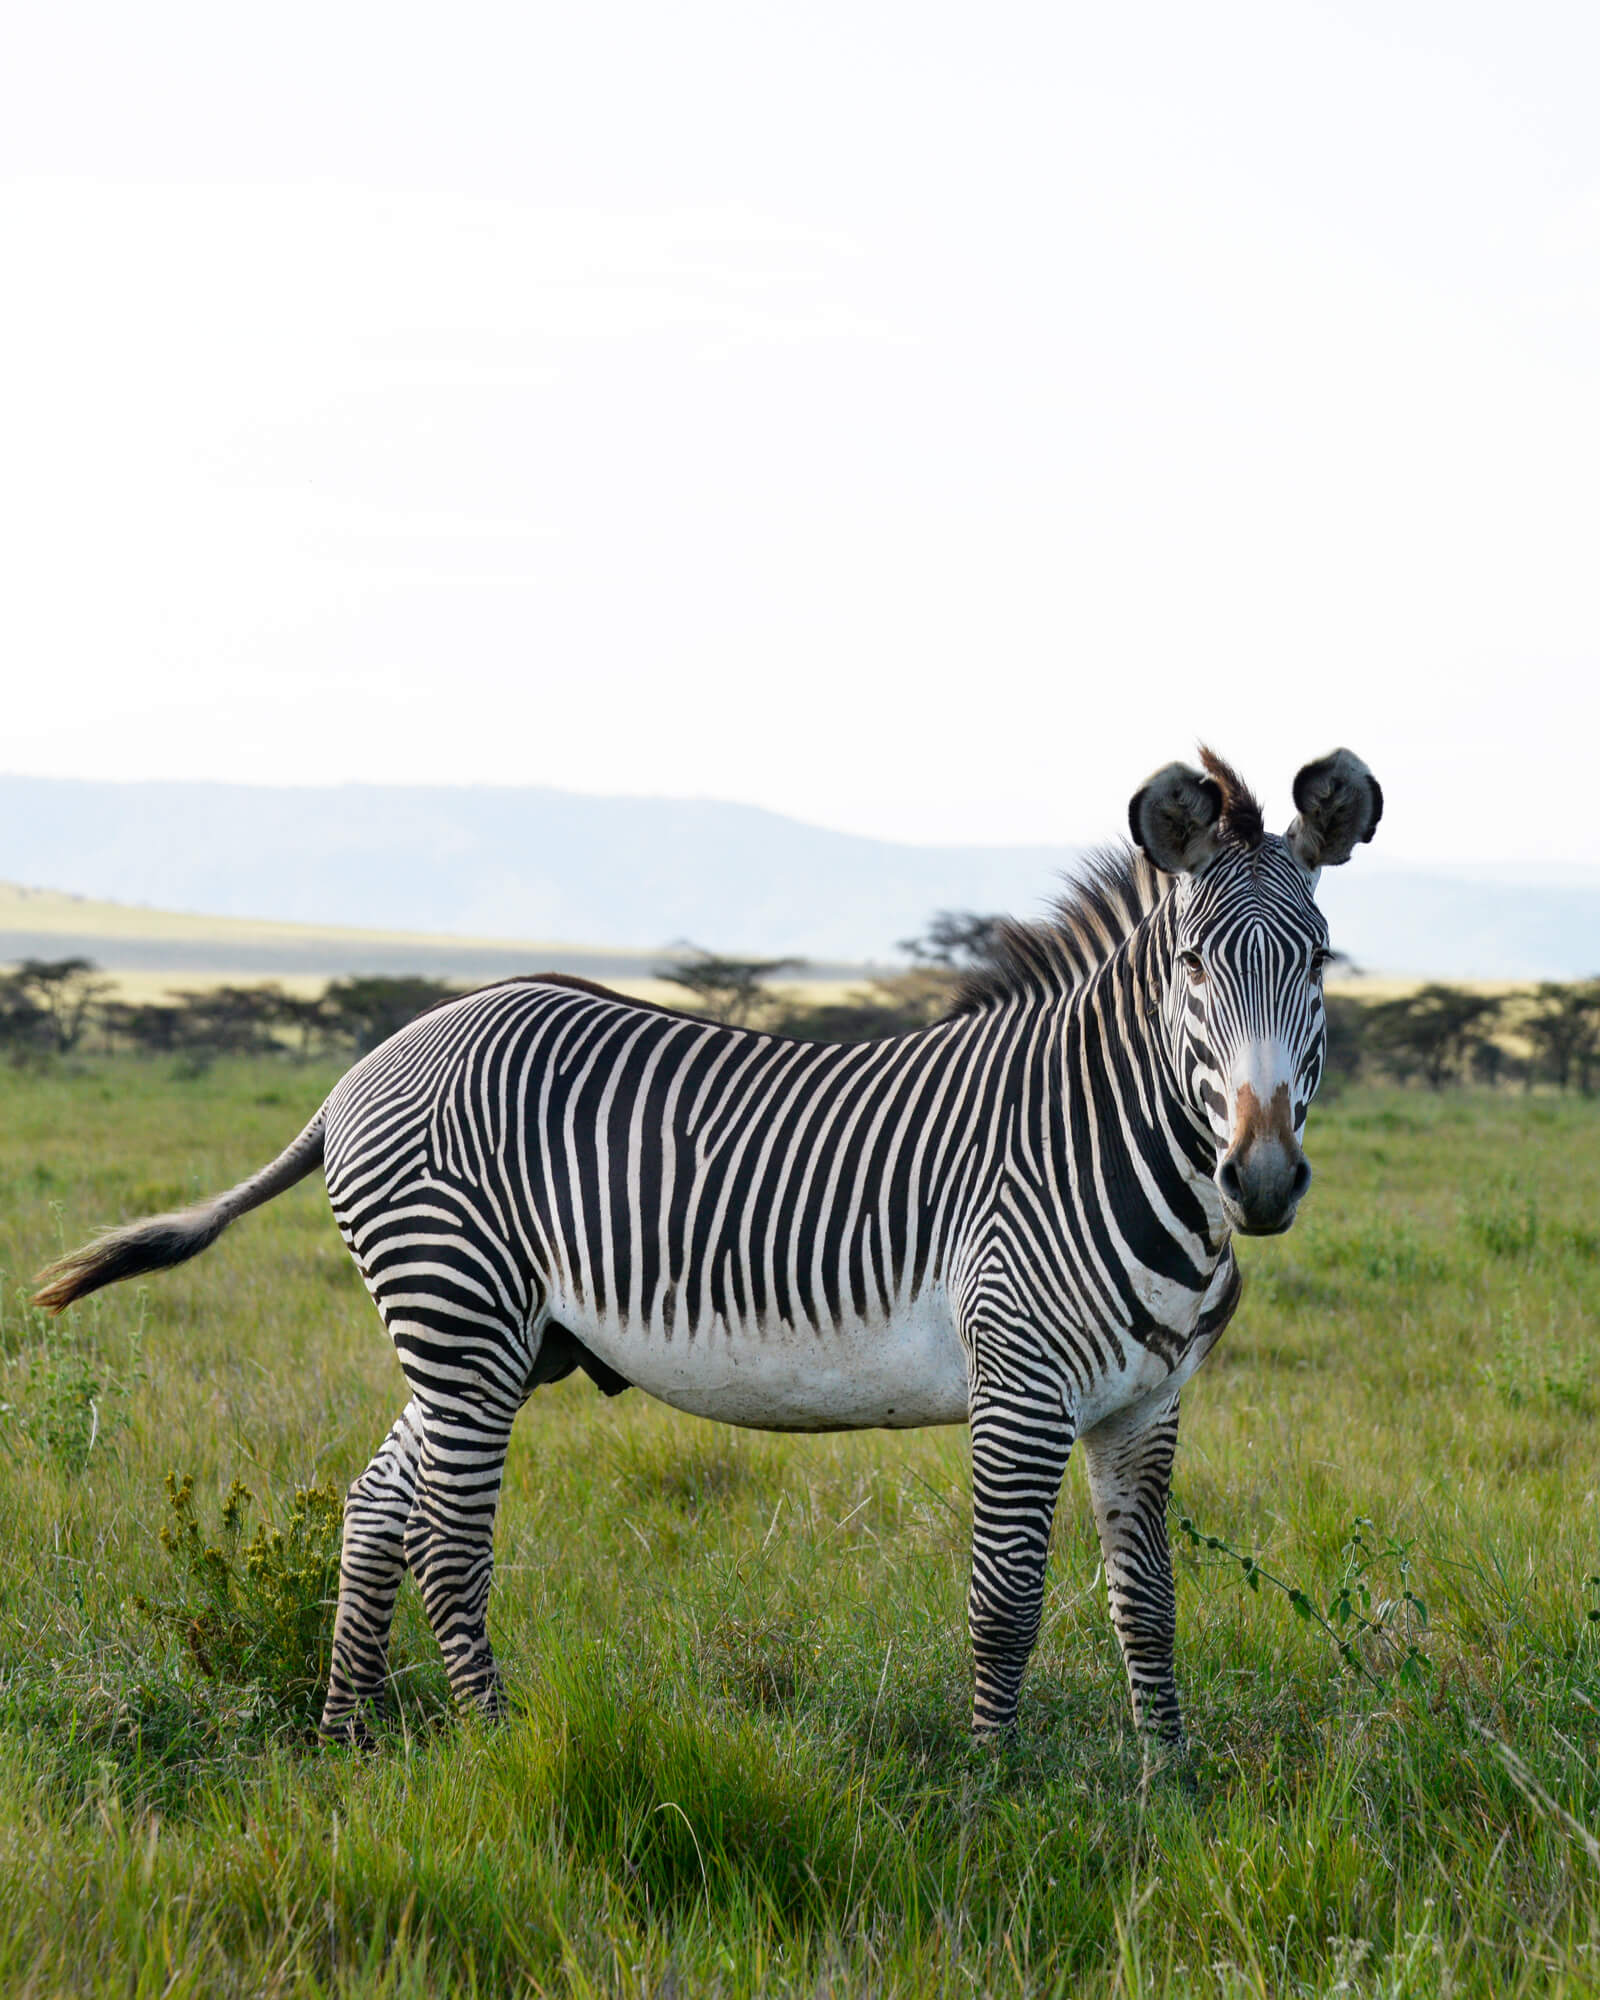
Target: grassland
[739,1763]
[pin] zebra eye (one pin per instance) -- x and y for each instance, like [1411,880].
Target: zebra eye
[1319,960]
[1190,961]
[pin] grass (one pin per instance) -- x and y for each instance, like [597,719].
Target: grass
[739,1763]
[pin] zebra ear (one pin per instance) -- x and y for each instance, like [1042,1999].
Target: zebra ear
[1173,816]
[1340,804]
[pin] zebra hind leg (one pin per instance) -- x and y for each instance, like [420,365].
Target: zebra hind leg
[1019,1453]
[371,1563]
[449,1541]
[1130,1478]
[450,1535]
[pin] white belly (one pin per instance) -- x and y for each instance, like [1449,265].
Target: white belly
[897,1373]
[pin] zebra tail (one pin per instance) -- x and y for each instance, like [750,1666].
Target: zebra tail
[163,1240]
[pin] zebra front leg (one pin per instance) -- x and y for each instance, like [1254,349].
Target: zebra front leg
[449,1543]
[1129,1462]
[1019,1454]
[371,1563]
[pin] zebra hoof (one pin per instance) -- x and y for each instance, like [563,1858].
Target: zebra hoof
[1169,1762]
[483,1699]
[994,1739]
[347,1732]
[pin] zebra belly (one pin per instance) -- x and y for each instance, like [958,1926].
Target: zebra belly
[899,1373]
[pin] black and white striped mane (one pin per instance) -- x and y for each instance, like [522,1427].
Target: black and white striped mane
[1105,901]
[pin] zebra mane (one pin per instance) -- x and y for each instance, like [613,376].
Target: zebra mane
[1241,810]
[1106,898]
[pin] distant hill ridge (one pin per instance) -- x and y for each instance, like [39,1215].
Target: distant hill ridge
[635,874]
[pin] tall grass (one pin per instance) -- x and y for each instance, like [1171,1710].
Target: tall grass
[738,1762]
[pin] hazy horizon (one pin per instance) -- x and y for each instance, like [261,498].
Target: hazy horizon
[637,873]
[1505,868]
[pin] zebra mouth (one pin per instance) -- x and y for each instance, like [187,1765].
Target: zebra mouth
[1261,1187]
[1242,1225]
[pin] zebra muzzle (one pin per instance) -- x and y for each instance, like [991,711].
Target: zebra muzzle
[1264,1173]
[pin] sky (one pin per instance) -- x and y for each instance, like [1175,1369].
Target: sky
[921,420]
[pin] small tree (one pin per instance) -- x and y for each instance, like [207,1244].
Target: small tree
[148,1028]
[24,1025]
[955,941]
[62,994]
[368,1010]
[1431,1033]
[230,1020]
[1564,1029]
[730,990]
[307,1017]
[1347,1037]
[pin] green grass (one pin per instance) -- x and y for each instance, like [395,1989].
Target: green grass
[739,1761]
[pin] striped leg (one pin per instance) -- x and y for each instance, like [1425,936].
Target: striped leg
[1019,1454]
[1130,1476]
[371,1563]
[449,1540]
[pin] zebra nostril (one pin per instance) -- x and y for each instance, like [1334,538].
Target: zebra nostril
[1228,1179]
[1302,1178]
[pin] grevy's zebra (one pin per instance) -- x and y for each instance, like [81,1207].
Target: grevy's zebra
[1019,1217]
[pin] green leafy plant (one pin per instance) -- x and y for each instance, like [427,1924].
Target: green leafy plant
[1527,1370]
[1386,1252]
[256,1613]
[1509,1230]
[1352,1613]
[63,1394]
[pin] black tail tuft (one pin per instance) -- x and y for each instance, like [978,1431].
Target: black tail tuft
[152,1245]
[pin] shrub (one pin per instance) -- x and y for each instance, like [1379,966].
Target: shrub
[256,1614]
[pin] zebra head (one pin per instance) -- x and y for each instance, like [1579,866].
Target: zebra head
[1243,973]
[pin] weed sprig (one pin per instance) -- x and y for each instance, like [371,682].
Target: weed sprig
[1352,1613]
[60,1390]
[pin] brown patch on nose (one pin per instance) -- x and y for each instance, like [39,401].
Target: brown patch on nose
[1253,1120]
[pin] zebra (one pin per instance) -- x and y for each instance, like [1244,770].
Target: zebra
[1020,1218]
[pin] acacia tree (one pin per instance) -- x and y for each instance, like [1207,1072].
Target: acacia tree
[230,1020]
[1347,1035]
[22,1019]
[367,1010]
[1431,1033]
[64,992]
[730,990]
[1564,1029]
[955,940]
[149,1027]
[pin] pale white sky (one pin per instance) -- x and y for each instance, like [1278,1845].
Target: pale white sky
[920,419]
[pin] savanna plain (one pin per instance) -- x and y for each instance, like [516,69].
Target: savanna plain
[738,1761]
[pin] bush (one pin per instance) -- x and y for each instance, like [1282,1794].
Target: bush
[258,1614]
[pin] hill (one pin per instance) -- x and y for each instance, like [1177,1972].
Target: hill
[631,875]
[149,950]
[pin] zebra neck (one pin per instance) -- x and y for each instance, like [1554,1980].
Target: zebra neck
[1116,1099]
